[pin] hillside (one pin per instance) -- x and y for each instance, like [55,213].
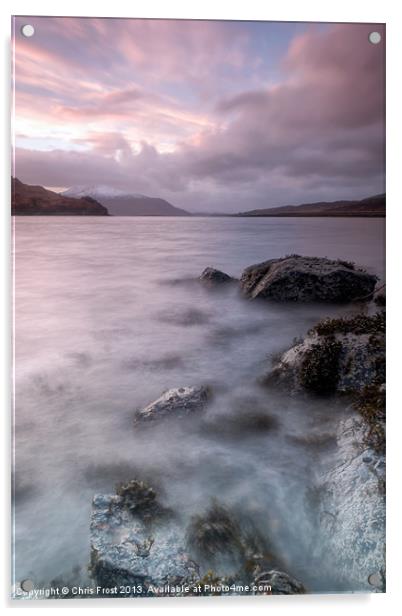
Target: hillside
[29,200]
[120,203]
[369,207]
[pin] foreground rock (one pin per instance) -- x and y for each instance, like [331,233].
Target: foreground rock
[134,545]
[180,402]
[306,279]
[348,356]
[212,277]
[337,355]
[137,542]
[351,515]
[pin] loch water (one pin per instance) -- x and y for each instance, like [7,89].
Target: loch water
[107,317]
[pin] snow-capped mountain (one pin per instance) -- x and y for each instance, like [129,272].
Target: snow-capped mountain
[120,203]
[95,191]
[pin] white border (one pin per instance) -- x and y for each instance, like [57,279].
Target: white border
[286,10]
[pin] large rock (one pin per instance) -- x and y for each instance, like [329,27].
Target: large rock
[179,402]
[129,548]
[338,355]
[212,277]
[351,513]
[306,279]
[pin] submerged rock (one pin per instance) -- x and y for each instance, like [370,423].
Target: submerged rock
[179,402]
[216,535]
[246,416]
[214,277]
[306,279]
[235,547]
[337,355]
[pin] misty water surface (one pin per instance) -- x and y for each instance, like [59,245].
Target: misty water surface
[107,318]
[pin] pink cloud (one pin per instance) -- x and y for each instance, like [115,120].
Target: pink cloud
[320,127]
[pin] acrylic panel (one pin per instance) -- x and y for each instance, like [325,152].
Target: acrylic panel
[198,213]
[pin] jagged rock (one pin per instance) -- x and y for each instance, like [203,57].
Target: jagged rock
[213,277]
[281,583]
[128,551]
[179,402]
[306,279]
[337,355]
[351,515]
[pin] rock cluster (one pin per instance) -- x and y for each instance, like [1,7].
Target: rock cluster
[138,543]
[135,540]
[347,356]
[300,279]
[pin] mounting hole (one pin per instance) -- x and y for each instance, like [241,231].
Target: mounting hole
[27,585]
[375,38]
[375,579]
[28,30]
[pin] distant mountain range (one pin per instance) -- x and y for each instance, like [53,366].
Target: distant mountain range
[369,207]
[29,200]
[102,200]
[121,203]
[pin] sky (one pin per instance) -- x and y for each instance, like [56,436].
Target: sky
[210,115]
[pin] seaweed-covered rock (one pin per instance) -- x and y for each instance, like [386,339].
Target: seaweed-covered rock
[212,277]
[337,355]
[307,279]
[281,583]
[128,550]
[140,499]
[216,535]
[370,403]
[179,402]
[380,298]
[231,545]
